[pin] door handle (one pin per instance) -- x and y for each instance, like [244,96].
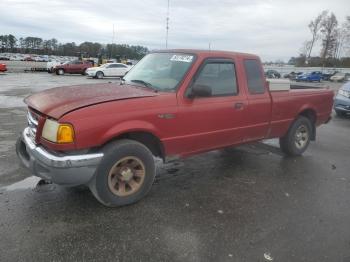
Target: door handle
[239,106]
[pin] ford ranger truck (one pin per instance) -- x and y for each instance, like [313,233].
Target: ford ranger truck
[172,104]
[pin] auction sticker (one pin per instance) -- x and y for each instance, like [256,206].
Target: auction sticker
[182,58]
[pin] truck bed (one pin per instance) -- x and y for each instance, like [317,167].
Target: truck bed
[285,104]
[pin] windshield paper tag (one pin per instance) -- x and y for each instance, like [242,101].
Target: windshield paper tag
[182,58]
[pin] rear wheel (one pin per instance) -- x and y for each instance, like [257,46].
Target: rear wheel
[298,137]
[125,174]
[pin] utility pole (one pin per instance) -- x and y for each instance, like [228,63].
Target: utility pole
[113,38]
[167,26]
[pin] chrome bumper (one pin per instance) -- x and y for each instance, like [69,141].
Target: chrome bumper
[67,170]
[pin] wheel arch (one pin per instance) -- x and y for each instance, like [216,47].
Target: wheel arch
[146,136]
[60,68]
[310,114]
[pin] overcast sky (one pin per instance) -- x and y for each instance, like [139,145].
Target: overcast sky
[273,29]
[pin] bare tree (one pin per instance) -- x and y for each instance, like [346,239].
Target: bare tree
[344,38]
[315,26]
[329,30]
[305,48]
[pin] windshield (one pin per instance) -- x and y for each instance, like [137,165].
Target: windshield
[161,71]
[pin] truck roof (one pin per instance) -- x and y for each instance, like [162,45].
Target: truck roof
[202,52]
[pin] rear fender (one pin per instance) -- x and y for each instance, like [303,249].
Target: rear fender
[310,112]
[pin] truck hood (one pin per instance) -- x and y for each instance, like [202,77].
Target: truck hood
[58,101]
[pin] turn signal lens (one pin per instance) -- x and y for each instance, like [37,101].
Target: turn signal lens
[65,133]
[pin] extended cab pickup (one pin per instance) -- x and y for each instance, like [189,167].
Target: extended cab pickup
[172,104]
[73,67]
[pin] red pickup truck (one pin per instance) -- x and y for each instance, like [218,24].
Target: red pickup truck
[73,67]
[171,104]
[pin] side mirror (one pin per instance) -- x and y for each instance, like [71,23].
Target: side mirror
[200,91]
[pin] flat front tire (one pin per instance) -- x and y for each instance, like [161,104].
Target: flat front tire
[298,137]
[125,174]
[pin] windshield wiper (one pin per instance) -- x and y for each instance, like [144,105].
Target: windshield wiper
[146,84]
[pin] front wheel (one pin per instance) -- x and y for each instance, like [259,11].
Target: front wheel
[298,137]
[99,75]
[60,72]
[125,174]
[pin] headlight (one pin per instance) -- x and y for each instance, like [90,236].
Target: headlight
[344,93]
[58,133]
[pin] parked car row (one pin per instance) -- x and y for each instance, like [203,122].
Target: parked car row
[34,57]
[315,76]
[86,67]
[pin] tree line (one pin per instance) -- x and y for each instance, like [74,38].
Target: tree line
[332,37]
[36,45]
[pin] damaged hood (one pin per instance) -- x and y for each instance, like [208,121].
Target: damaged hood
[58,101]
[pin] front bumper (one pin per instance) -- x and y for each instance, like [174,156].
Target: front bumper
[69,170]
[90,73]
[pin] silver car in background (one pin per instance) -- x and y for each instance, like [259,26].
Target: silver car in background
[342,100]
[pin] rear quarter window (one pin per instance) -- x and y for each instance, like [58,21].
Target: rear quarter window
[254,76]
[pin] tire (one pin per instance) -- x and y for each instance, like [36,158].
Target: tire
[99,75]
[60,71]
[84,71]
[298,137]
[127,163]
[340,113]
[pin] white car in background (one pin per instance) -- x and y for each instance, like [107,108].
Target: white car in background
[340,77]
[51,64]
[109,69]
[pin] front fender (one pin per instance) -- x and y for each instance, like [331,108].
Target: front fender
[130,126]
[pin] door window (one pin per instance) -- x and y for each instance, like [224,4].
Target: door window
[255,79]
[117,66]
[220,77]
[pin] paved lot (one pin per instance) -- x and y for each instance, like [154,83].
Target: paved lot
[229,205]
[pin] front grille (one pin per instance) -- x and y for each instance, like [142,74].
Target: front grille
[33,120]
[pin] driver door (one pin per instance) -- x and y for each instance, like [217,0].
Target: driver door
[214,121]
